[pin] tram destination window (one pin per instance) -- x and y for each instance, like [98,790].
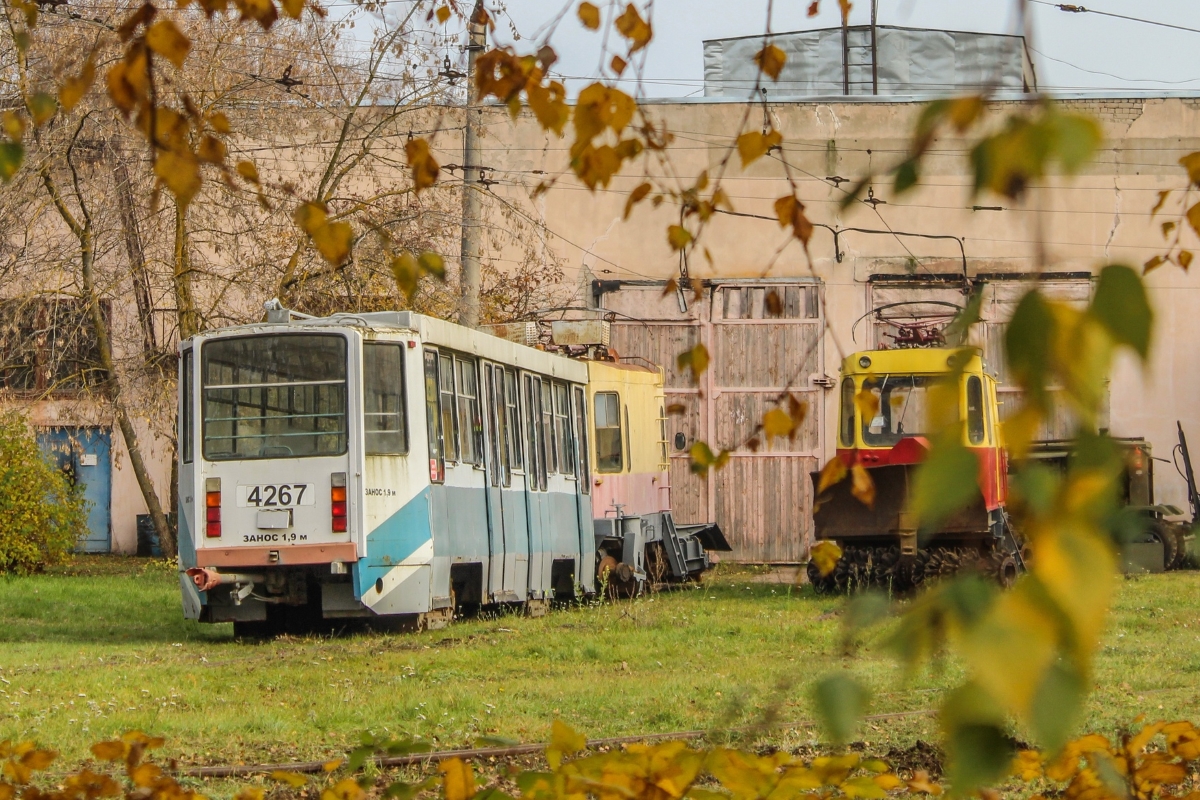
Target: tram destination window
[384,412]
[608,432]
[274,396]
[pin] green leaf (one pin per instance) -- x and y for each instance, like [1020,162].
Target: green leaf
[1078,136]
[1122,307]
[906,176]
[978,749]
[865,610]
[947,481]
[960,327]
[1056,706]
[852,194]
[1028,343]
[840,701]
[978,755]
[1037,486]
[968,598]
[12,155]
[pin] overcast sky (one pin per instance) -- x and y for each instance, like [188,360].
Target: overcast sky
[1074,51]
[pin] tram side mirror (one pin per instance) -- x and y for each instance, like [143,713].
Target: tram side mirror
[877,424]
[680,441]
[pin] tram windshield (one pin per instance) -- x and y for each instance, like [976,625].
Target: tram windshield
[274,396]
[903,408]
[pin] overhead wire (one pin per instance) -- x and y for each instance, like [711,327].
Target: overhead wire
[1079,9]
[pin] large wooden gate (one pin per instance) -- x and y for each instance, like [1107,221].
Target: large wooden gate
[764,339]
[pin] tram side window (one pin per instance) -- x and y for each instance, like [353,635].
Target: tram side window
[562,430]
[548,428]
[383,399]
[534,442]
[581,428]
[493,402]
[449,422]
[608,432]
[470,428]
[433,418]
[187,409]
[847,427]
[512,420]
[975,425]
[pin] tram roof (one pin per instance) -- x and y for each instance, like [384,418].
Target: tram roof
[437,332]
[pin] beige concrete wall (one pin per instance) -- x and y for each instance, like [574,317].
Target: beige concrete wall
[1099,217]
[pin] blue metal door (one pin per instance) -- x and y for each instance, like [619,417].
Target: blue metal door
[84,455]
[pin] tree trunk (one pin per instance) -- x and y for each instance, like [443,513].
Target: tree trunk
[188,319]
[84,234]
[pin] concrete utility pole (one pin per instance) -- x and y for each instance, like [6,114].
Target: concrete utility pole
[472,222]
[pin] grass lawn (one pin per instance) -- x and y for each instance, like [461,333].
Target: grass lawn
[91,651]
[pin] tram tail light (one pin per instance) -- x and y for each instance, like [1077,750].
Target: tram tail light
[337,504]
[212,508]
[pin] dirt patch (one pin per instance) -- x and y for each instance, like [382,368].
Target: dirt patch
[921,756]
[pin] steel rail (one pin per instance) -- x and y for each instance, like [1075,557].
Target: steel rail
[231,770]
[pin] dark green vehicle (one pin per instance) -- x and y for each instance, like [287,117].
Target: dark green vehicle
[1163,543]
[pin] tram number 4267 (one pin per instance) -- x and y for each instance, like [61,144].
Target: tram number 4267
[276,495]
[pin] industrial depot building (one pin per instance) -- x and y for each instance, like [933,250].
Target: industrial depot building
[933,244]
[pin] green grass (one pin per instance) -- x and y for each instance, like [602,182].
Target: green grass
[89,652]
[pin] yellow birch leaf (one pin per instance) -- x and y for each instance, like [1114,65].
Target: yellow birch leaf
[424,167]
[1193,218]
[631,25]
[678,237]
[770,60]
[293,8]
[14,126]
[293,779]
[110,751]
[248,171]
[825,555]
[41,108]
[75,87]
[862,486]
[867,403]
[212,150]
[589,15]
[777,422]
[636,196]
[180,173]
[618,65]
[443,14]
[333,240]
[458,779]
[219,123]
[1191,163]
[834,472]
[753,145]
[695,359]
[168,41]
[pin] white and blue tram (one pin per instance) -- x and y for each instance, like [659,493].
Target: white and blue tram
[379,464]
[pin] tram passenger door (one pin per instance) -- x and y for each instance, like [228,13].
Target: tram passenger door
[496,465]
[515,499]
[535,482]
